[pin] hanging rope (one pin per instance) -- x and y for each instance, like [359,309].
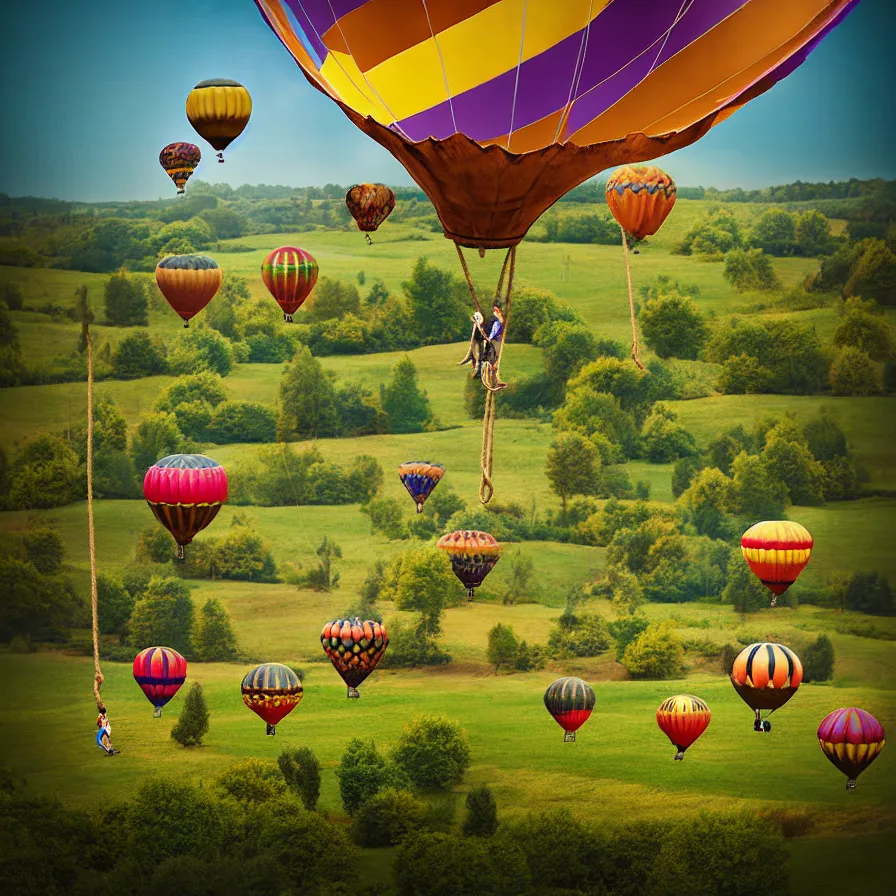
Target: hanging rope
[94,603]
[631,300]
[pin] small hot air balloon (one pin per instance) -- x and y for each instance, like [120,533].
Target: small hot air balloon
[289,274]
[354,648]
[188,282]
[272,691]
[851,739]
[420,477]
[569,701]
[777,552]
[473,555]
[219,111]
[766,676]
[683,719]
[640,198]
[370,205]
[179,161]
[185,492]
[160,671]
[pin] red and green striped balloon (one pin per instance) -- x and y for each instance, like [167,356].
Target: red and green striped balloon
[289,274]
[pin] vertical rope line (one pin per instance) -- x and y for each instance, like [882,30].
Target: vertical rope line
[631,300]
[94,602]
[463,264]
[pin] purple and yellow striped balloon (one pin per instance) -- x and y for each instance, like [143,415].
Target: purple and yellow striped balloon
[851,739]
[289,274]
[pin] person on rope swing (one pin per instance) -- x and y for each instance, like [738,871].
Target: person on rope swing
[104,732]
[484,347]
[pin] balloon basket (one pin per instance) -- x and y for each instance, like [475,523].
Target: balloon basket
[186,325]
[679,756]
[850,784]
[270,731]
[158,713]
[419,508]
[220,156]
[774,600]
[353,694]
[181,553]
[569,737]
[369,240]
[471,593]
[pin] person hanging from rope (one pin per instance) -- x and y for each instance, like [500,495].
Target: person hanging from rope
[477,340]
[104,732]
[484,348]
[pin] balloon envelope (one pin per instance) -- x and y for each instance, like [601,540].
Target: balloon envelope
[219,111]
[640,199]
[766,675]
[179,161]
[420,477]
[355,648]
[777,552]
[683,719]
[473,555]
[272,691]
[188,282]
[851,739]
[370,205]
[570,701]
[160,671]
[289,274]
[496,108]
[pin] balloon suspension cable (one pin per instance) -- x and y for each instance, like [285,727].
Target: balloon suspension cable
[486,489]
[631,300]
[369,240]
[569,737]
[91,536]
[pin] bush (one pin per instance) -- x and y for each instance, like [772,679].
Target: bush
[252,781]
[869,592]
[301,771]
[433,752]
[45,474]
[625,631]
[363,773]
[750,269]
[386,518]
[482,812]
[582,636]
[201,349]
[655,654]
[674,327]
[503,646]
[388,817]
[192,724]
[852,373]
[242,421]
[405,403]
[818,660]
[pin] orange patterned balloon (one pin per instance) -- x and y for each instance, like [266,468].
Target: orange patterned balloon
[370,205]
[640,198]
[777,552]
[683,719]
[473,556]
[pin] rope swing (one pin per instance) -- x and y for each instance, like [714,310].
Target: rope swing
[631,299]
[486,489]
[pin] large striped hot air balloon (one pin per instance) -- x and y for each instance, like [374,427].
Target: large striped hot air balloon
[683,719]
[272,691]
[420,477]
[640,198]
[160,671]
[370,205]
[473,556]
[777,552]
[569,701]
[354,648]
[765,677]
[851,739]
[219,111]
[185,492]
[179,161]
[188,282]
[289,274]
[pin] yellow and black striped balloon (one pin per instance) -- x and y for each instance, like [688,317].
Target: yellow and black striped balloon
[683,718]
[219,111]
[766,676]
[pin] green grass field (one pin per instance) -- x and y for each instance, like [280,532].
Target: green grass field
[621,767]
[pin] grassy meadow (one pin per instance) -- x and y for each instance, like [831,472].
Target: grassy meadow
[621,766]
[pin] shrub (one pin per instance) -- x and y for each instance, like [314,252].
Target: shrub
[363,773]
[192,724]
[242,421]
[126,302]
[301,771]
[625,631]
[482,812]
[818,660]
[201,349]
[503,646]
[869,592]
[138,355]
[388,817]
[582,635]
[433,751]
[252,781]
[656,653]
[750,269]
[386,517]
[852,373]
[673,327]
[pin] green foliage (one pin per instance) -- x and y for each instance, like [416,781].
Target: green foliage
[825,437]
[242,421]
[126,302]
[568,347]
[12,295]
[708,500]
[482,812]
[114,606]
[869,592]
[35,605]
[411,645]
[139,355]
[743,590]
[532,309]
[156,436]
[252,781]
[716,233]
[224,222]
[788,461]
[864,330]
[747,269]
[852,373]
[42,547]
[626,630]
[387,817]
[758,495]
[333,299]
[192,724]
[503,646]
[44,474]
[406,405]
[579,635]
[307,407]
[663,439]
[215,641]
[163,614]
[324,577]
[362,773]
[573,466]
[874,275]
[421,581]
[656,653]
[775,232]
[11,366]
[813,234]
[201,349]
[386,517]
[673,326]
[818,660]
[438,302]
[521,584]
[301,771]
[433,751]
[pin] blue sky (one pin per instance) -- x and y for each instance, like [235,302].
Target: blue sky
[92,90]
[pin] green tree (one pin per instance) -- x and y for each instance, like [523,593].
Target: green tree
[750,269]
[568,347]
[708,500]
[757,495]
[852,373]
[114,606]
[215,641]
[34,605]
[874,275]
[503,646]
[439,304]
[252,781]
[775,232]
[11,367]
[573,467]
[425,584]
[308,407]
[674,327]
[333,299]
[12,295]
[163,615]
[301,771]
[225,223]
[138,355]
[743,590]
[825,437]
[656,653]
[482,812]
[231,298]
[156,436]
[664,440]
[362,773]
[43,547]
[433,751]
[521,580]
[242,421]
[377,294]
[192,723]
[126,302]
[581,635]
[201,349]
[45,473]
[386,517]
[404,402]
[869,592]
[863,330]
[388,817]
[625,631]
[818,660]
[813,234]
[324,577]
[788,460]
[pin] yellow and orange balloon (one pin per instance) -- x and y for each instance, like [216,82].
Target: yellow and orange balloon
[777,552]
[219,111]
[683,719]
[640,198]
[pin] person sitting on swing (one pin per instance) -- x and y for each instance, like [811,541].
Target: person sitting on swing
[104,732]
[484,347]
